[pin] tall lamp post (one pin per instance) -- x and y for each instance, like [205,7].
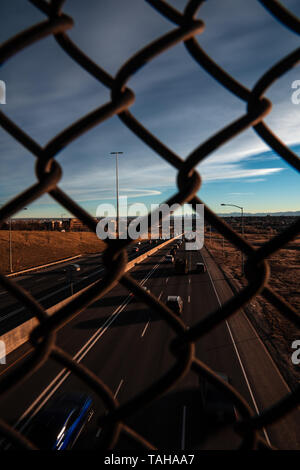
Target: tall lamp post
[242,227]
[117,189]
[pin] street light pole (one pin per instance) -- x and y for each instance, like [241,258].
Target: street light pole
[10,244]
[10,247]
[242,226]
[117,189]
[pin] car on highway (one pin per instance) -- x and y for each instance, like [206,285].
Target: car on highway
[175,303]
[73,267]
[59,425]
[173,251]
[169,259]
[200,268]
[135,249]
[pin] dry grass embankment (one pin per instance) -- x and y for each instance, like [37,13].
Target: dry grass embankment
[276,331]
[31,248]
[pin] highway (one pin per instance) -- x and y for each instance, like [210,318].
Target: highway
[127,345]
[52,284]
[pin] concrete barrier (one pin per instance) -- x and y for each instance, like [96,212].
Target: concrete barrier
[43,266]
[19,335]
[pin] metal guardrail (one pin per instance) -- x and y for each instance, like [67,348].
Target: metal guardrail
[49,172]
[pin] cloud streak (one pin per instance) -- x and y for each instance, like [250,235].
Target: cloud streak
[175,98]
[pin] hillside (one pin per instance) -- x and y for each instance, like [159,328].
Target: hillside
[30,248]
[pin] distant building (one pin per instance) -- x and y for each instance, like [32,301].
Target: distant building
[76,225]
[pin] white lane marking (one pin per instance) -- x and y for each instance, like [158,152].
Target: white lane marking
[189,299]
[183,428]
[8,315]
[64,373]
[4,292]
[144,330]
[239,358]
[189,280]
[160,295]
[78,357]
[246,379]
[93,273]
[148,275]
[167,280]
[268,354]
[118,389]
[61,278]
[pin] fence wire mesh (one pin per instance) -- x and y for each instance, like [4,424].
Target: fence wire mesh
[49,173]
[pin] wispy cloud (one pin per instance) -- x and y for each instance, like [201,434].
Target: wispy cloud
[255,180]
[240,194]
[235,172]
[84,195]
[175,98]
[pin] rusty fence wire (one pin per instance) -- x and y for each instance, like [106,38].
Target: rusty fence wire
[49,172]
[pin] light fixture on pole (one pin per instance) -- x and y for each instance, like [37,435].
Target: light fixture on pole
[242,226]
[117,189]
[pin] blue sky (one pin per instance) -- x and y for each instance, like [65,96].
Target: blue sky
[175,99]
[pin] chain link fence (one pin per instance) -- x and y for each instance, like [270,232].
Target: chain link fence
[49,172]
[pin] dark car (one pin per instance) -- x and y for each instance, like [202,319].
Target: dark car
[59,425]
[200,268]
[175,303]
[72,268]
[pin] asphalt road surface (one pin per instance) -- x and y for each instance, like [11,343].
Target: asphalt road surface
[53,284]
[126,344]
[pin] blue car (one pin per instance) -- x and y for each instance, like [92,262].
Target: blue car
[58,425]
